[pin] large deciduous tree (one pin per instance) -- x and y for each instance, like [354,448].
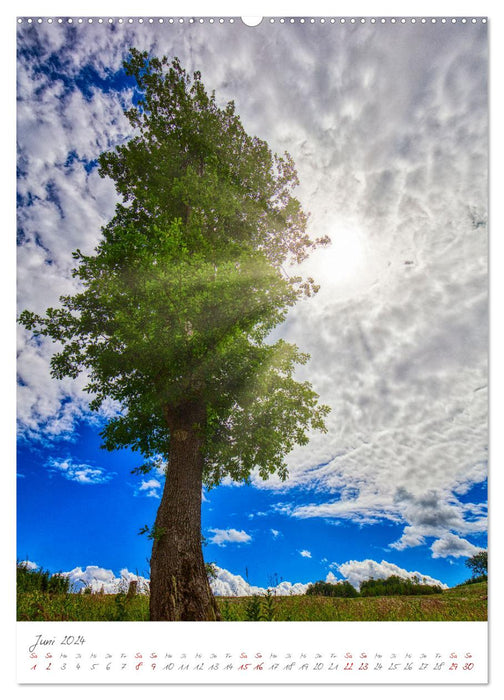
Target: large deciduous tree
[478,563]
[175,308]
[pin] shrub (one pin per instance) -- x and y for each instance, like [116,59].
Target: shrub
[31,580]
[268,606]
[253,609]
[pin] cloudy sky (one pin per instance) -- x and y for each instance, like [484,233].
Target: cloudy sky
[387,124]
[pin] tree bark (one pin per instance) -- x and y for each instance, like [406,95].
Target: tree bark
[179,588]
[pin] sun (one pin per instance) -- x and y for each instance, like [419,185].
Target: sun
[344,266]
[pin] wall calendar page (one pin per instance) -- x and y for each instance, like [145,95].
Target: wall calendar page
[252,279]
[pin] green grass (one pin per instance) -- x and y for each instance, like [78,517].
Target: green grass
[462,603]
[467,602]
[81,607]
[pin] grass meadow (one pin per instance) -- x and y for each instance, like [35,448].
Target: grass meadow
[463,603]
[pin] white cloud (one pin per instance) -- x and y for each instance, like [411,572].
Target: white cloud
[160,465]
[150,487]
[305,553]
[225,584]
[47,409]
[64,208]
[398,350]
[331,578]
[275,533]
[98,579]
[452,546]
[80,473]
[228,584]
[30,565]
[358,571]
[223,537]
[228,481]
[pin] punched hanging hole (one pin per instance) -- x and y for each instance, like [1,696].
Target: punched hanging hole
[251,21]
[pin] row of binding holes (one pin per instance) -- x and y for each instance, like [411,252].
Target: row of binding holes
[231,20]
[121,20]
[374,20]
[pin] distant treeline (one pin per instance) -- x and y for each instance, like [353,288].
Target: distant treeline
[393,585]
[32,580]
[343,589]
[473,579]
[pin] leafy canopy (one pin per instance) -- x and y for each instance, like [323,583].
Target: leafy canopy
[478,563]
[189,279]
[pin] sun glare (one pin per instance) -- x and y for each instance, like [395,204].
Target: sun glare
[343,266]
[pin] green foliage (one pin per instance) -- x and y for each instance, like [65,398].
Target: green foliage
[395,585]
[474,579]
[153,533]
[211,570]
[268,606]
[478,563]
[257,608]
[124,602]
[187,283]
[227,612]
[120,606]
[253,609]
[342,589]
[31,580]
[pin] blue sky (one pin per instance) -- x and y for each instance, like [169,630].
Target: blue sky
[387,126]
[79,505]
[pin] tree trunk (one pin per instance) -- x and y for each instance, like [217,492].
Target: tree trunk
[179,588]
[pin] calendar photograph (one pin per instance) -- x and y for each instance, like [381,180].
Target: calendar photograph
[252,362]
